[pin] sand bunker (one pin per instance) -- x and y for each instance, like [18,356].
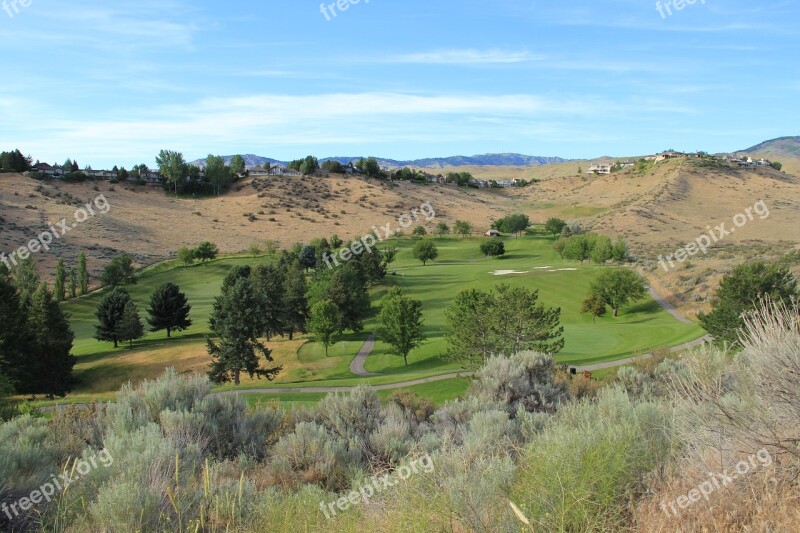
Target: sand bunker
[506,272]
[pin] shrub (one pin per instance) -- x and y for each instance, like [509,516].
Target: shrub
[581,472]
[311,454]
[524,380]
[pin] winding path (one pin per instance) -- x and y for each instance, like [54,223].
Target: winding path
[357,366]
[629,360]
[668,307]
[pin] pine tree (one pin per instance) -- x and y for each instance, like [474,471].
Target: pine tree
[51,362]
[268,284]
[130,326]
[109,313]
[236,320]
[14,333]
[168,309]
[83,274]
[295,300]
[60,286]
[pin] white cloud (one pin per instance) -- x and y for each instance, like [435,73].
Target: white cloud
[266,122]
[466,57]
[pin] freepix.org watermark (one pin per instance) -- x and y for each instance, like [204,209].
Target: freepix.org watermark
[57,484]
[677,4]
[717,481]
[12,6]
[369,241]
[330,11]
[378,484]
[56,231]
[716,234]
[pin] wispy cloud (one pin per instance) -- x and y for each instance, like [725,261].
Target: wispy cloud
[466,57]
[280,120]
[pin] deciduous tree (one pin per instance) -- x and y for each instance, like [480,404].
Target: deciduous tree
[619,286]
[325,323]
[401,321]
[425,251]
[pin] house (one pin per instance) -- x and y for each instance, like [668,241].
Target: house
[627,164]
[493,233]
[151,176]
[600,169]
[47,170]
[763,163]
[478,184]
[506,183]
[669,154]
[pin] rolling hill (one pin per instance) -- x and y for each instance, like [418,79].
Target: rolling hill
[782,146]
[656,211]
[431,163]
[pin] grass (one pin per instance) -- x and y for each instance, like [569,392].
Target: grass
[439,392]
[102,369]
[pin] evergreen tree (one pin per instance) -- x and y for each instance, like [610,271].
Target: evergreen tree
[295,300]
[481,324]
[268,283]
[168,309]
[83,274]
[109,314]
[130,326]
[14,333]
[236,321]
[348,290]
[50,360]
[740,292]
[60,286]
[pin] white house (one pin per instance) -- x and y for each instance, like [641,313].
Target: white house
[600,169]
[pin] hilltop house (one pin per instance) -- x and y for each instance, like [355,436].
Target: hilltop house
[493,233]
[600,169]
[47,170]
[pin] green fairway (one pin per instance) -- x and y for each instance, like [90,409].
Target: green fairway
[639,328]
[643,326]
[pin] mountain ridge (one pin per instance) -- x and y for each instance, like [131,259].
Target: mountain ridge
[499,159]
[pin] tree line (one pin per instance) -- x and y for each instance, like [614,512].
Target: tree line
[35,337]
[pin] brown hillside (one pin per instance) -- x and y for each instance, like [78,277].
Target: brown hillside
[656,211]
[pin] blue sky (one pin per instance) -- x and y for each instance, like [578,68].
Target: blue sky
[112,83]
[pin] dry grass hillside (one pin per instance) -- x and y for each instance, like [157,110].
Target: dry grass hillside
[657,211]
[152,225]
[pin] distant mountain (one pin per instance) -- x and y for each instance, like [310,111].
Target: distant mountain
[786,146]
[250,161]
[495,160]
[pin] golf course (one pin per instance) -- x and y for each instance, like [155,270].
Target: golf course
[529,261]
